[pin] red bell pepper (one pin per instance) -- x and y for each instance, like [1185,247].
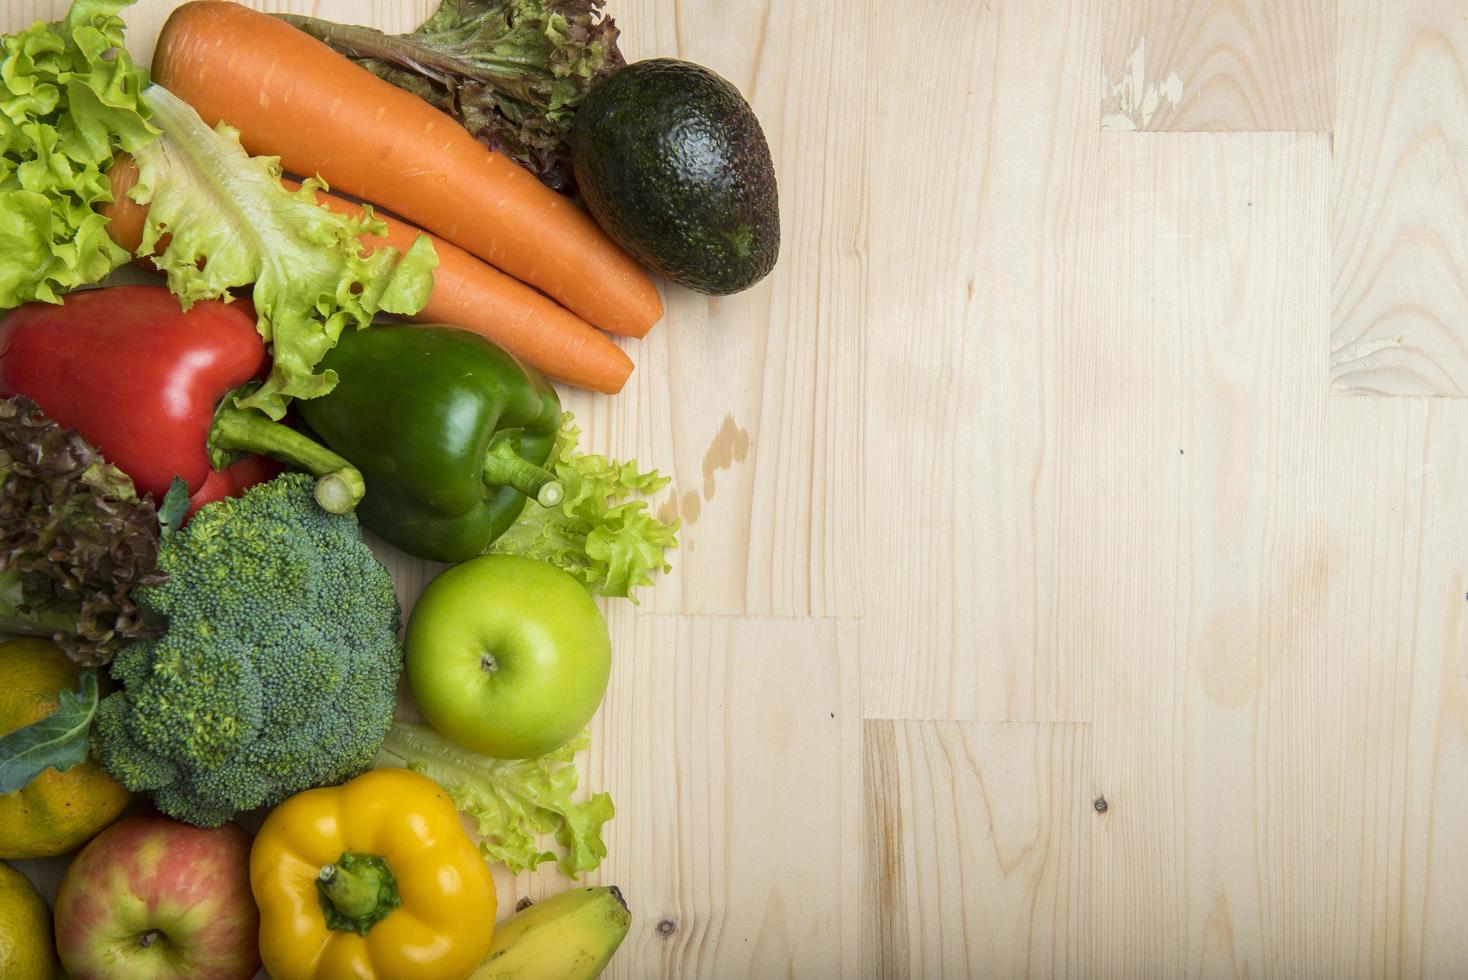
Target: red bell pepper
[234,480]
[150,386]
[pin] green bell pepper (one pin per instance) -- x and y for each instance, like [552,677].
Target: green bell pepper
[450,431]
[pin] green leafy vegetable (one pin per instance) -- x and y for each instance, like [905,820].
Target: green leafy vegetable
[608,542]
[58,741]
[69,101]
[75,540]
[231,223]
[513,801]
[512,71]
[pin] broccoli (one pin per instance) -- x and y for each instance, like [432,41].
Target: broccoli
[279,667]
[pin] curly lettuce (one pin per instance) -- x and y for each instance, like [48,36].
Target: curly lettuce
[608,542]
[70,101]
[219,218]
[513,802]
[75,540]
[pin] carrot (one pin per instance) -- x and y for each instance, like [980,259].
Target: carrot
[293,97]
[125,217]
[466,293]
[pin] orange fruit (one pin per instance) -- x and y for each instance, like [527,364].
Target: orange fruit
[57,811]
[25,929]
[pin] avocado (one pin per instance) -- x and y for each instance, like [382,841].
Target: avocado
[672,162]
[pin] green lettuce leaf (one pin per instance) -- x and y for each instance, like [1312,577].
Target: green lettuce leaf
[230,223]
[610,543]
[70,100]
[514,802]
[58,741]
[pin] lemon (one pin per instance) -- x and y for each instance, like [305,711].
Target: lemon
[26,952]
[58,811]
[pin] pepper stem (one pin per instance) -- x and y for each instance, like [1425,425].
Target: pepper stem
[357,892]
[339,484]
[354,893]
[503,467]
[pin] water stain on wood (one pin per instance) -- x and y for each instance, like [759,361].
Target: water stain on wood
[692,507]
[730,446]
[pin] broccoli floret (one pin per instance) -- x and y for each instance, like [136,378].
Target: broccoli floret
[279,667]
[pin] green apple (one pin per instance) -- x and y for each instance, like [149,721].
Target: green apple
[508,656]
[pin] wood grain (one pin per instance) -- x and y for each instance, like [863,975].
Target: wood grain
[1218,65]
[963,383]
[1396,692]
[732,748]
[1205,583]
[978,865]
[1400,321]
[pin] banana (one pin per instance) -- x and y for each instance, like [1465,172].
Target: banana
[570,936]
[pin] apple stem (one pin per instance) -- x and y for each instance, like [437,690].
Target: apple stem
[149,938]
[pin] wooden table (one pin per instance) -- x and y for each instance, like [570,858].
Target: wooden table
[1075,555]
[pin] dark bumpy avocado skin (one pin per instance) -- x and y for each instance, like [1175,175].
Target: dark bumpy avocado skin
[672,162]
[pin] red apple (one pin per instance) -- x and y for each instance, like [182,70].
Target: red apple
[154,899]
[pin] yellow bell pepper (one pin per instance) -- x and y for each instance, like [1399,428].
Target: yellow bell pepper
[373,880]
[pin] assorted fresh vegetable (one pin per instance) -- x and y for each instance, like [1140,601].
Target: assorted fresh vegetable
[467,292]
[160,405]
[272,83]
[475,296]
[279,667]
[230,223]
[148,521]
[511,71]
